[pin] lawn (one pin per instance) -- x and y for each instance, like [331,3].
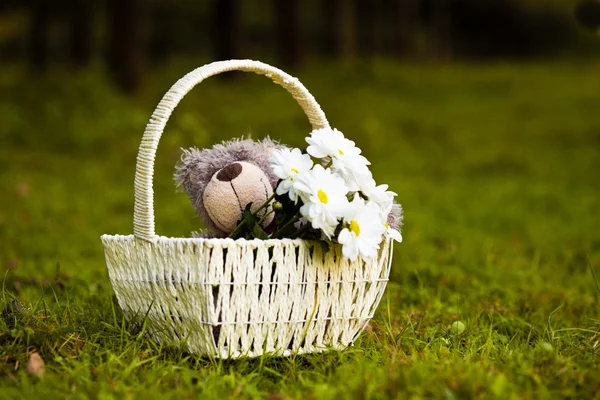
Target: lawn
[492,292]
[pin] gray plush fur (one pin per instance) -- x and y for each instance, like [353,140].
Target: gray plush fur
[395,217]
[197,167]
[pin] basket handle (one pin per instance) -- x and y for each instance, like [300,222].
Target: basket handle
[143,214]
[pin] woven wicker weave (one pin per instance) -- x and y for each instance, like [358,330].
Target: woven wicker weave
[230,298]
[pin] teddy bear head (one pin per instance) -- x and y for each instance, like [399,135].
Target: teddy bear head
[223,180]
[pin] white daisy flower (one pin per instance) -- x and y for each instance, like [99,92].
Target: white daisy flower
[324,198]
[345,156]
[287,164]
[326,142]
[363,229]
[392,233]
[353,168]
[378,194]
[389,231]
[385,200]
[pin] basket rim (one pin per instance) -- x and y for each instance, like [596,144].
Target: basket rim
[213,241]
[221,242]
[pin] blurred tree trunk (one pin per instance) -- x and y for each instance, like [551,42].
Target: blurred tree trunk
[347,21]
[331,27]
[125,45]
[287,33]
[225,27]
[443,48]
[338,28]
[365,28]
[38,52]
[80,23]
[162,21]
[405,25]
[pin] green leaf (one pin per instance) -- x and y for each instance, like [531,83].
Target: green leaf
[259,233]
[324,246]
[247,215]
[245,224]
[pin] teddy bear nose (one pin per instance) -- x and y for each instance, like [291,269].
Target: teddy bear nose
[230,172]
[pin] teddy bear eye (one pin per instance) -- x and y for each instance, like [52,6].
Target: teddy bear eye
[230,172]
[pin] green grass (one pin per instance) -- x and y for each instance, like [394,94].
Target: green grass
[496,167]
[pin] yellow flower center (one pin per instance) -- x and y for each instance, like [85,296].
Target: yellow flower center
[294,170]
[340,152]
[322,196]
[354,227]
[386,225]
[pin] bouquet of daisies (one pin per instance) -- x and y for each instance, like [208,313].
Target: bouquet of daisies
[334,199]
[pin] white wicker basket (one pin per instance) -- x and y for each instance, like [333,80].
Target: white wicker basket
[230,298]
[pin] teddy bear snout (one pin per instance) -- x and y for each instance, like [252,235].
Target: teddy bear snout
[230,172]
[231,189]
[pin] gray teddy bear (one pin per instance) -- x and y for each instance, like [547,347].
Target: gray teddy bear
[223,180]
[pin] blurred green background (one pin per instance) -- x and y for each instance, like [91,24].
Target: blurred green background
[481,115]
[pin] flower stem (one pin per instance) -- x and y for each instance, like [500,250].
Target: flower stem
[301,230]
[275,234]
[265,216]
[265,204]
[239,227]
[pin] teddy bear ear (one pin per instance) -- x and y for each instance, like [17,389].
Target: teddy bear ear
[185,172]
[269,145]
[193,178]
